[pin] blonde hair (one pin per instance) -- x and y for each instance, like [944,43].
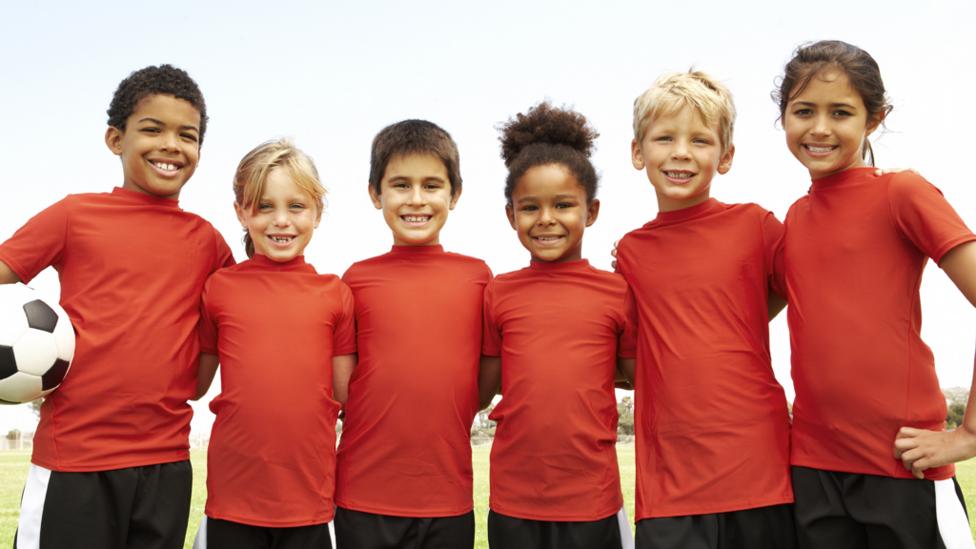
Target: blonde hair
[252,175]
[673,91]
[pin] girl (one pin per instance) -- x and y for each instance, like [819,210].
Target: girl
[559,327]
[281,332]
[868,415]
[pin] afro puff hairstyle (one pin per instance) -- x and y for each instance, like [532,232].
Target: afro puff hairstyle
[153,80]
[548,135]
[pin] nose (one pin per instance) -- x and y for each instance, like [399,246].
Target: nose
[280,218]
[680,149]
[416,195]
[546,217]
[821,125]
[169,141]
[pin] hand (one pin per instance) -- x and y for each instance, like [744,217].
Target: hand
[883,171]
[613,252]
[921,449]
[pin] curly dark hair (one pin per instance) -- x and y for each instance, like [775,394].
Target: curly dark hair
[414,137]
[548,135]
[152,80]
[861,69]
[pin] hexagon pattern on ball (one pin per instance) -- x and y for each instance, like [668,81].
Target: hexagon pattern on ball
[37,343]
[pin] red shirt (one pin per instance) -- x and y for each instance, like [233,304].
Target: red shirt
[405,448]
[853,257]
[272,449]
[558,328]
[711,421]
[131,267]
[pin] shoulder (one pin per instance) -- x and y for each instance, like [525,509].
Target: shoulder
[906,184]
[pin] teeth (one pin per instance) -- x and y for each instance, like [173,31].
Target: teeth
[165,166]
[416,218]
[677,174]
[816,149]
[547,238]
[281,239]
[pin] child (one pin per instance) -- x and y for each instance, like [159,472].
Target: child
[404,461]
[110,466]
[711,421]
[853,255]
[280,330]
[558,326]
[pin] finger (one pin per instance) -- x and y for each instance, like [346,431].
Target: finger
[909,432]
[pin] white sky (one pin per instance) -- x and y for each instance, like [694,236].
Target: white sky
[329,75]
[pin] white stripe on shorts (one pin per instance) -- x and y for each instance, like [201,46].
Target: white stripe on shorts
[200,542]
[32,508]
[953,525]
[626,537]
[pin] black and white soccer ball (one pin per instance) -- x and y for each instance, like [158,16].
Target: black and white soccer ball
[37,343]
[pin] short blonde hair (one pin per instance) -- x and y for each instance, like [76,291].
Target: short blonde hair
[252,175]
[673,91]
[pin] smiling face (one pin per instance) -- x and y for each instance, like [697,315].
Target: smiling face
[827,124]
[415,196]
[549,211]
[160,146]
[282,220]
[681,154]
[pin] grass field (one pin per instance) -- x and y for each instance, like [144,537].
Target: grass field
[13,471]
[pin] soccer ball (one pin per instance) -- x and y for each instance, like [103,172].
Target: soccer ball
[37,343]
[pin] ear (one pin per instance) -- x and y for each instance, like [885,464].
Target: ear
[725,163]
[113,139]
[375,197]
[240,215]
[510,213]
[636,158]
[592,211]
[874,122]
[454,198]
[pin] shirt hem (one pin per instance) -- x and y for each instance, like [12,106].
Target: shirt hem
[109,466]
[269,523]
[413,513]
[727,508]
[895,472]
[589,517]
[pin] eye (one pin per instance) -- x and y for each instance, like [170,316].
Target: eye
[189,137]
[701,141]
[296,206]
[662,139]
[841,113]
[528,208]
[802,112]
[433,185]
[150,129]
[565,204]
[264,206]
[399,185]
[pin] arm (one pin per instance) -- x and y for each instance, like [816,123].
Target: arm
[776,303]
[205,373]
[342,367]
[7,276]
[920,449]
[625,373]
[489,380]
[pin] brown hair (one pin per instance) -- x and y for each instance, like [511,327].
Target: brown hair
[861,69]
[546,135]
[414,137]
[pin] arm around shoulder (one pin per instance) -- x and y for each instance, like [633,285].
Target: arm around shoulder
[489,380]
[342,368]
[206,370]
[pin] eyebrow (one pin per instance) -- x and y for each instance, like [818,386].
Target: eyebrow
[838,104]
[161,123]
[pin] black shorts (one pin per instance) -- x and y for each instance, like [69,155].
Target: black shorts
[145,507]
[850,510]
[760,528]
[225,534]
[358,530]
[506,532]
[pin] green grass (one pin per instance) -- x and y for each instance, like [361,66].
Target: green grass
[13,472]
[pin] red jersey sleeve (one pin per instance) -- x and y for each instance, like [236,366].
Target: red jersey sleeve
[207,329]
[38,244]
[344,334]
[772,235]
[924,216]
[627,342]
[491,340]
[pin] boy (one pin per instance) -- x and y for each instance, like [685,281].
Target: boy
[110,467]
[403,475]
[711,421]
